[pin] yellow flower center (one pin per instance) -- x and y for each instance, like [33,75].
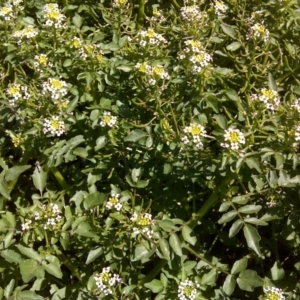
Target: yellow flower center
[144,221]
[196,130]
[57,84]
[200,57]
[76,44]
[89,49]
[42,60]
[155,11]
[151,33]
[195,44]
[16,141]
[13,90]
[143,68]
[28,30]
[273,296]
[51,7]
[106,119]
[105,277]
[54,15]
[158,70]
[261,29]
[188,290]
[99,57]
[268,93]
[121,2]
[5,10]
[113,200]
[55,124]
[234,137]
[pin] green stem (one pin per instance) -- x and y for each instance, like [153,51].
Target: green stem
[141,14]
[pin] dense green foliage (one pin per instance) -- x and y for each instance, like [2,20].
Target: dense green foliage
[149,150]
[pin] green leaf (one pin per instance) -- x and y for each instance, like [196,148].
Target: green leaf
[252,238]
[256,221]
[100,143]
[234,46]
[167,225]
[93,254]
[240,199]
[239,265]
[142,253]
[210,277]
[28,295]
[272,83]
[253,163]
[221,120]
[53,269]
[142,184]
[235,228]
[248,280]
[188,235]
[228,30]
[29,252]
[175,244]
[165,249]
[28,269]
[67,63]
[232,95]
[224,206]
[9,288]
[229,285]
[4,190]
[249,209]
[279,158]
[11,256]
[14,172]
[39,179]
[94,199]
[227,217]
[155,286]
[277,272]
[135,135]
[77,20]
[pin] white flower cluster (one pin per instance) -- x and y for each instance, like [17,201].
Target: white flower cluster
[119,3]
[187,290]
[297,133]
[108,120]
[157,16]
[269,97]
[156,73]
[76,43]
[15,92]
[57,88]
[29,32]
[145,37]
[296,105]
[114,202]
[26,226]
[233,139]
[196,55]
[41,61]
[143,223]
[260,31]
[90,51]
[220,8]
[194,133]
[54,125]
[192,14]
[105,281]
[273,293]
[6,12]
[49,216]
[53,16]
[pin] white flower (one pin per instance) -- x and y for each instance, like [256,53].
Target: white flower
[151,37]
[54,126]
[296,105]
[195,132]
[234,138]
[106,280]
[143,224]
[268,97]
[220,7]
[90,50]
[15,92]
[273,293]
[159,71]
[192,13]
[56,87]
[108,120]
[187,290]
[26,225]
[41,61]
[259,31]
[6,12]
[200,60]
[76,43]
[53,16]
[297,133]
[114,201]
[29,32]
